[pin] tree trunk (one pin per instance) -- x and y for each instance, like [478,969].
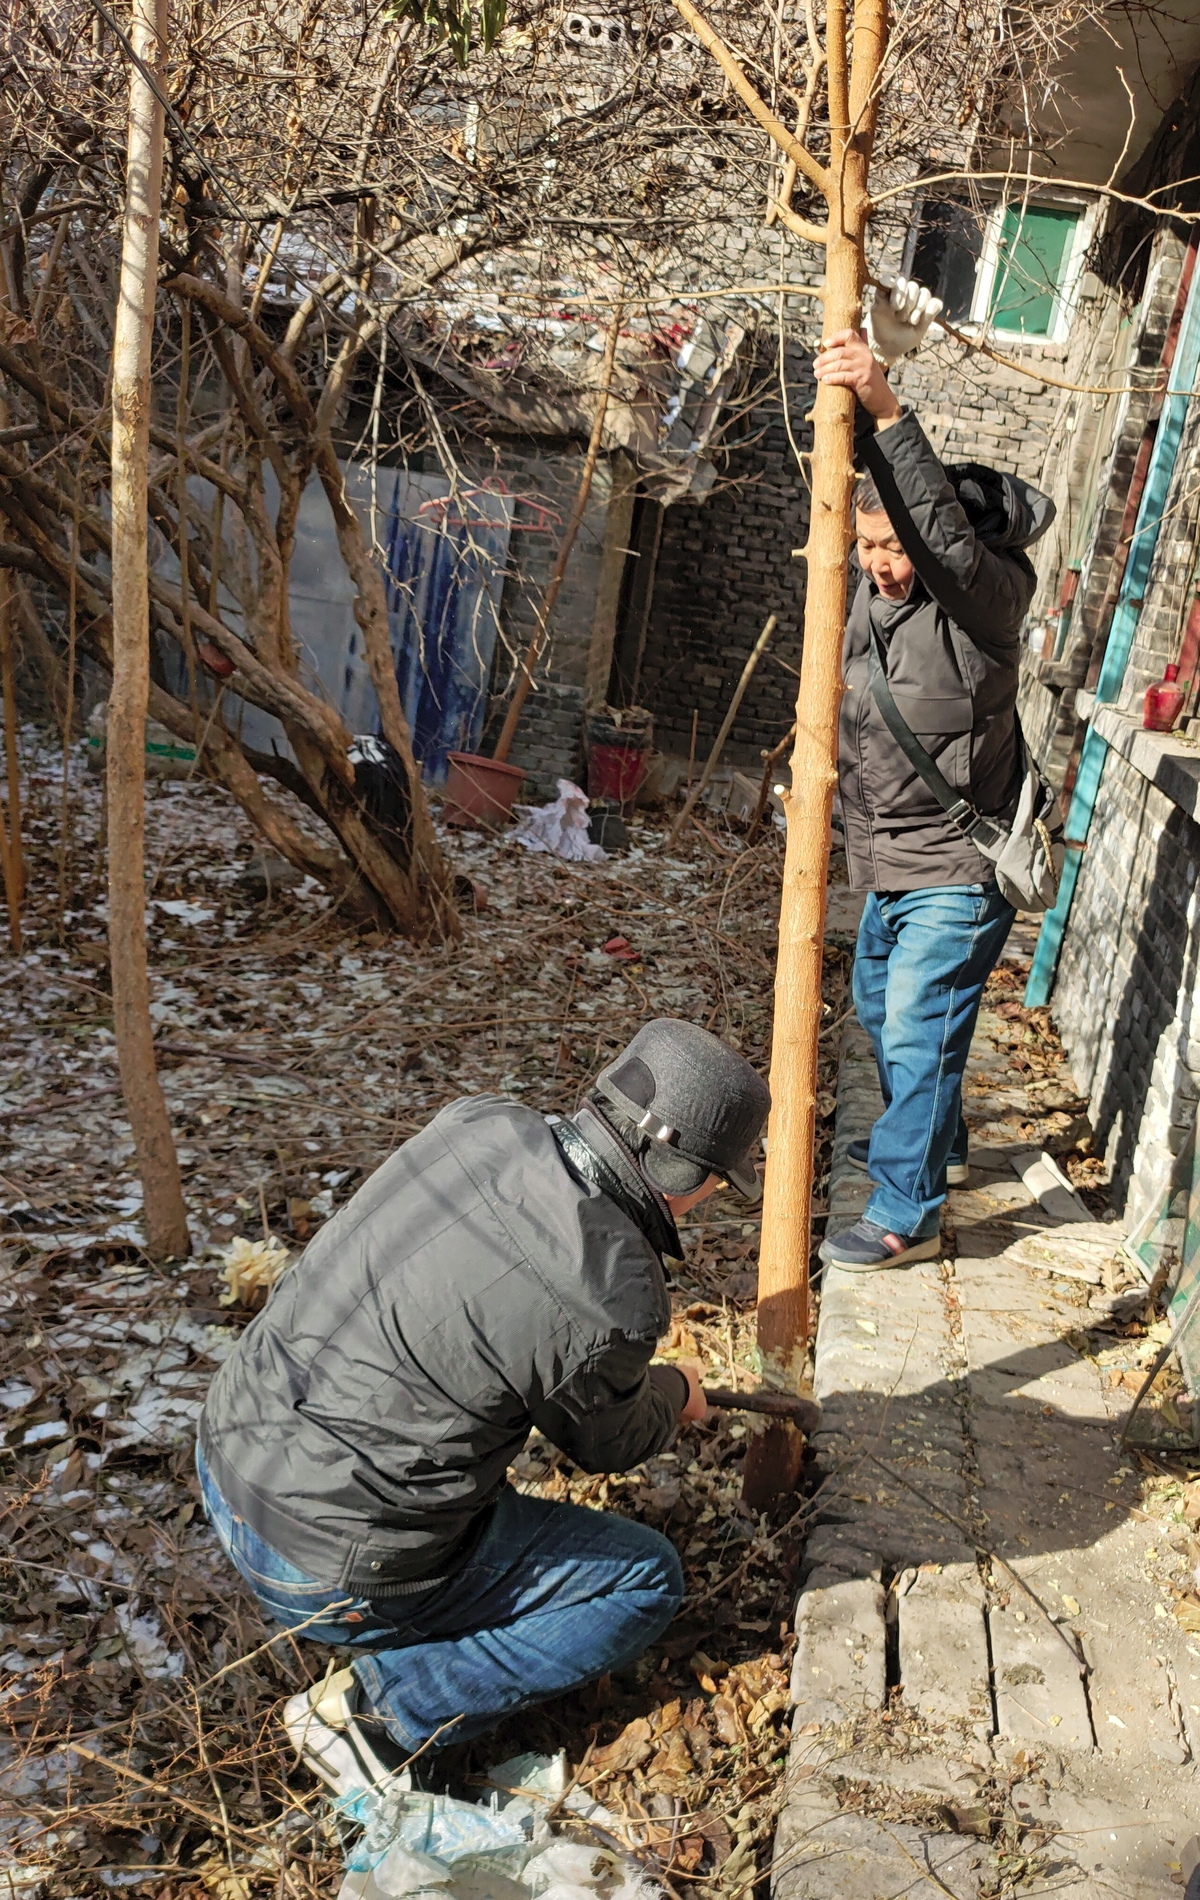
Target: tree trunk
[162,1194]
[773,1454]
[10,835]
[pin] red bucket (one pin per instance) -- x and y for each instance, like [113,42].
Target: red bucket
[479,791]
[616,771]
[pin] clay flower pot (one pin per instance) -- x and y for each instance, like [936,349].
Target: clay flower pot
[479,791]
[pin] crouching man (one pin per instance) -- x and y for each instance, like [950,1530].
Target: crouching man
[496,1274]
[931,654]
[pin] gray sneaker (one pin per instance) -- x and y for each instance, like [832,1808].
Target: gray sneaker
[867,1248]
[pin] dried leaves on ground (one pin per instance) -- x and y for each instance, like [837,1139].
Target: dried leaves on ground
[140,1688]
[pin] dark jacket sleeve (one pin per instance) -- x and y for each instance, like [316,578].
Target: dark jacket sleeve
[987,594]
[616,1410]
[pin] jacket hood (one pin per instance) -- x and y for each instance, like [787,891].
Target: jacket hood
[1005,512]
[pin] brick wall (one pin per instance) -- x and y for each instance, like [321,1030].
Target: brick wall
[1127,1001]
[974,410]
[723,565]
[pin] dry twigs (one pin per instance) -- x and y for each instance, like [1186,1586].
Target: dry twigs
[123,1626]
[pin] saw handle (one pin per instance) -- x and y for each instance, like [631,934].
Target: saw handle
[804,1414]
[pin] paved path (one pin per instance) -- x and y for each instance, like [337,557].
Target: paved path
[955,1732]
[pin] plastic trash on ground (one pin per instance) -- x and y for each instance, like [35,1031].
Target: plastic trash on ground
[561,828]
[500,1848]
[250,1270]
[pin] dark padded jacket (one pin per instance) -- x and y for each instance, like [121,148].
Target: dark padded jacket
[952,655]
[475,1286]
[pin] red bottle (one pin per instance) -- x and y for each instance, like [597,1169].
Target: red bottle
[1164,702]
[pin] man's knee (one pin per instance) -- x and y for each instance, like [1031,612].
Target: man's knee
[656,1571]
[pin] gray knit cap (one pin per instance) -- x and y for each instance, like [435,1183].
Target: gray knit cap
[687,1090]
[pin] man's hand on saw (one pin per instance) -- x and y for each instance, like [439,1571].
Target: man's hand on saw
[696,1408]
[900,319]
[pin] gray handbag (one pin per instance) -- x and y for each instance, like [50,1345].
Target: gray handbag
[1028,850]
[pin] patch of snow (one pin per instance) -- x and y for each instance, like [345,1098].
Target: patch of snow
[143,1640]
[186,913]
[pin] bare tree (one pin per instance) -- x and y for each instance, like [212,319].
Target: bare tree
[868,68]
[335,193]
[164,1212]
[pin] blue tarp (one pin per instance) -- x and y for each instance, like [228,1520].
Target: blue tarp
[444,562]
[446,557]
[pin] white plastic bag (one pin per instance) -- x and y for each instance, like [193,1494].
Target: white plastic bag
[565,1864]
[561,828]
[501,1848]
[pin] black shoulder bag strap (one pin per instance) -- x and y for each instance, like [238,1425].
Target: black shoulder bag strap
[985,833]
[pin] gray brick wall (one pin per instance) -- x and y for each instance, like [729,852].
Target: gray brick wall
[975,410]
[1127,999]
[725,564]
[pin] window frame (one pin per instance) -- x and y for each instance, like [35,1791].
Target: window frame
[1067,289]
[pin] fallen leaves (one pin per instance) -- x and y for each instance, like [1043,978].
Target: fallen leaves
[296,1055]
[632,1747]
[1187,1614]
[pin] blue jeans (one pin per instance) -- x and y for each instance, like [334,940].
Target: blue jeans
[920,965]
[552,1596]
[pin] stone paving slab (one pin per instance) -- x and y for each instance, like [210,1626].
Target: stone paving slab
[1040,1696]
[943,1644]
[970,1379]
[839,1668]
[822,1853]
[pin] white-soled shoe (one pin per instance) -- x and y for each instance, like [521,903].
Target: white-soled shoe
[323,1728]
[868,1248]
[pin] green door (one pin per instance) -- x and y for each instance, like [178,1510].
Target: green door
[1034,245]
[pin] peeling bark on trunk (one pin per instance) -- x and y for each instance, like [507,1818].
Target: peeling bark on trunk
[165,1216]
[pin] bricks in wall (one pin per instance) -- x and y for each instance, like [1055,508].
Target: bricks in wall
[1127,998]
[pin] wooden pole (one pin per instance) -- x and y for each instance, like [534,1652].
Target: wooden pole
[710,764]
[554,584]
[773,1452]
[133,332]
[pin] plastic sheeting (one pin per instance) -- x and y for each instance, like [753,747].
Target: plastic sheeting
[561,828]
[501,1848]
